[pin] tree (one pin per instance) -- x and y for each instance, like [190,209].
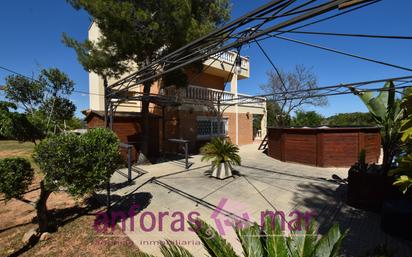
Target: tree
[387,113]
[75,123]
[23,91]
[79,164]
[291,91]
[275,117]
[17,126]
[310,118]
[45,98]
[268,241]
[351,119]
[57,110]
[145,31]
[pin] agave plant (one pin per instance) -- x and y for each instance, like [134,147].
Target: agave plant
[268,241]
[386,111]
[223,154]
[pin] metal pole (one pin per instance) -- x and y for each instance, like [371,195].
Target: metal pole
[187,155]
[129,163]
[106,123]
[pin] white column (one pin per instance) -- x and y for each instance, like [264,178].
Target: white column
[233,89]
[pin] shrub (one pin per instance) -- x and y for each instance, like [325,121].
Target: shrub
[16,176]
[78,163]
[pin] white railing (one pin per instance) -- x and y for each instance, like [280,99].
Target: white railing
[203,93]
[230,57]
[209,94]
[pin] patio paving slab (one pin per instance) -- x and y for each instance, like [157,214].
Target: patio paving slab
[263,184]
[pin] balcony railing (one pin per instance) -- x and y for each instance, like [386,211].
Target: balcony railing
[230,58]
[213,95]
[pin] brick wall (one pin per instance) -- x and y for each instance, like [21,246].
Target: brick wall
[183,123]
[245,128]
[128,130]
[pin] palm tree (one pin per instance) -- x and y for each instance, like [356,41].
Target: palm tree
[266,241]
[223,155]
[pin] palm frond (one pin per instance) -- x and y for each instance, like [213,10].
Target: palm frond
[250,238]
[276,242]
[215,245]
[170,249]
[220,150]
[329,244]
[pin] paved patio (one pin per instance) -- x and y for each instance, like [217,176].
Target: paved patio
[262,184]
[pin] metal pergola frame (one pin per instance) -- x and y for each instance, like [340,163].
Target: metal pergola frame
[274,17]
[271,17]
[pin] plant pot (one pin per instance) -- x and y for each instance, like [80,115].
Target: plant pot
[222,171]
[366,190]
[396,217]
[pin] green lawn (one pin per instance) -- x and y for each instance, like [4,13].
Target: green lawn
[11,145]
[77,230]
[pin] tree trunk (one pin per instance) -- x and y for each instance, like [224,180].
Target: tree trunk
[387,158]
[145,120]
[41,208]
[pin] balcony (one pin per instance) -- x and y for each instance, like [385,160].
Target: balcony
[221,64]
[203,94]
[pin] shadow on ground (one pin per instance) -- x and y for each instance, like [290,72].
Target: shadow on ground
[59,218]
[364,230]
[121,209]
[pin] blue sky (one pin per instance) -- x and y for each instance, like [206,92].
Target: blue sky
[31,40]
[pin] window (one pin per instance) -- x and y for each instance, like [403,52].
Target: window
[209,127]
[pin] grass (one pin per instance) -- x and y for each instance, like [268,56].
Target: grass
[7,145]
[75,235]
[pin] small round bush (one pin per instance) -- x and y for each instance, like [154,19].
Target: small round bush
[16,175]
[78,164]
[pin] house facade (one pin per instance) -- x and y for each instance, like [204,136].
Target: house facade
[195,117]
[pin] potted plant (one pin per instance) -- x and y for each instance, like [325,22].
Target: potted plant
[223,155]
[368,185]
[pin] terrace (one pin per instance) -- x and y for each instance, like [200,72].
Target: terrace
[263,183]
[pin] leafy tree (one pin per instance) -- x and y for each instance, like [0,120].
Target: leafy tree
[141,31]
[26,92]
[387,113]
[292,91]
[275,116]
[310,118]
[17,126]
[58,109]
[44,98]
[77,164]
[351,119]
[56,83]
[267,241]
[75,123]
